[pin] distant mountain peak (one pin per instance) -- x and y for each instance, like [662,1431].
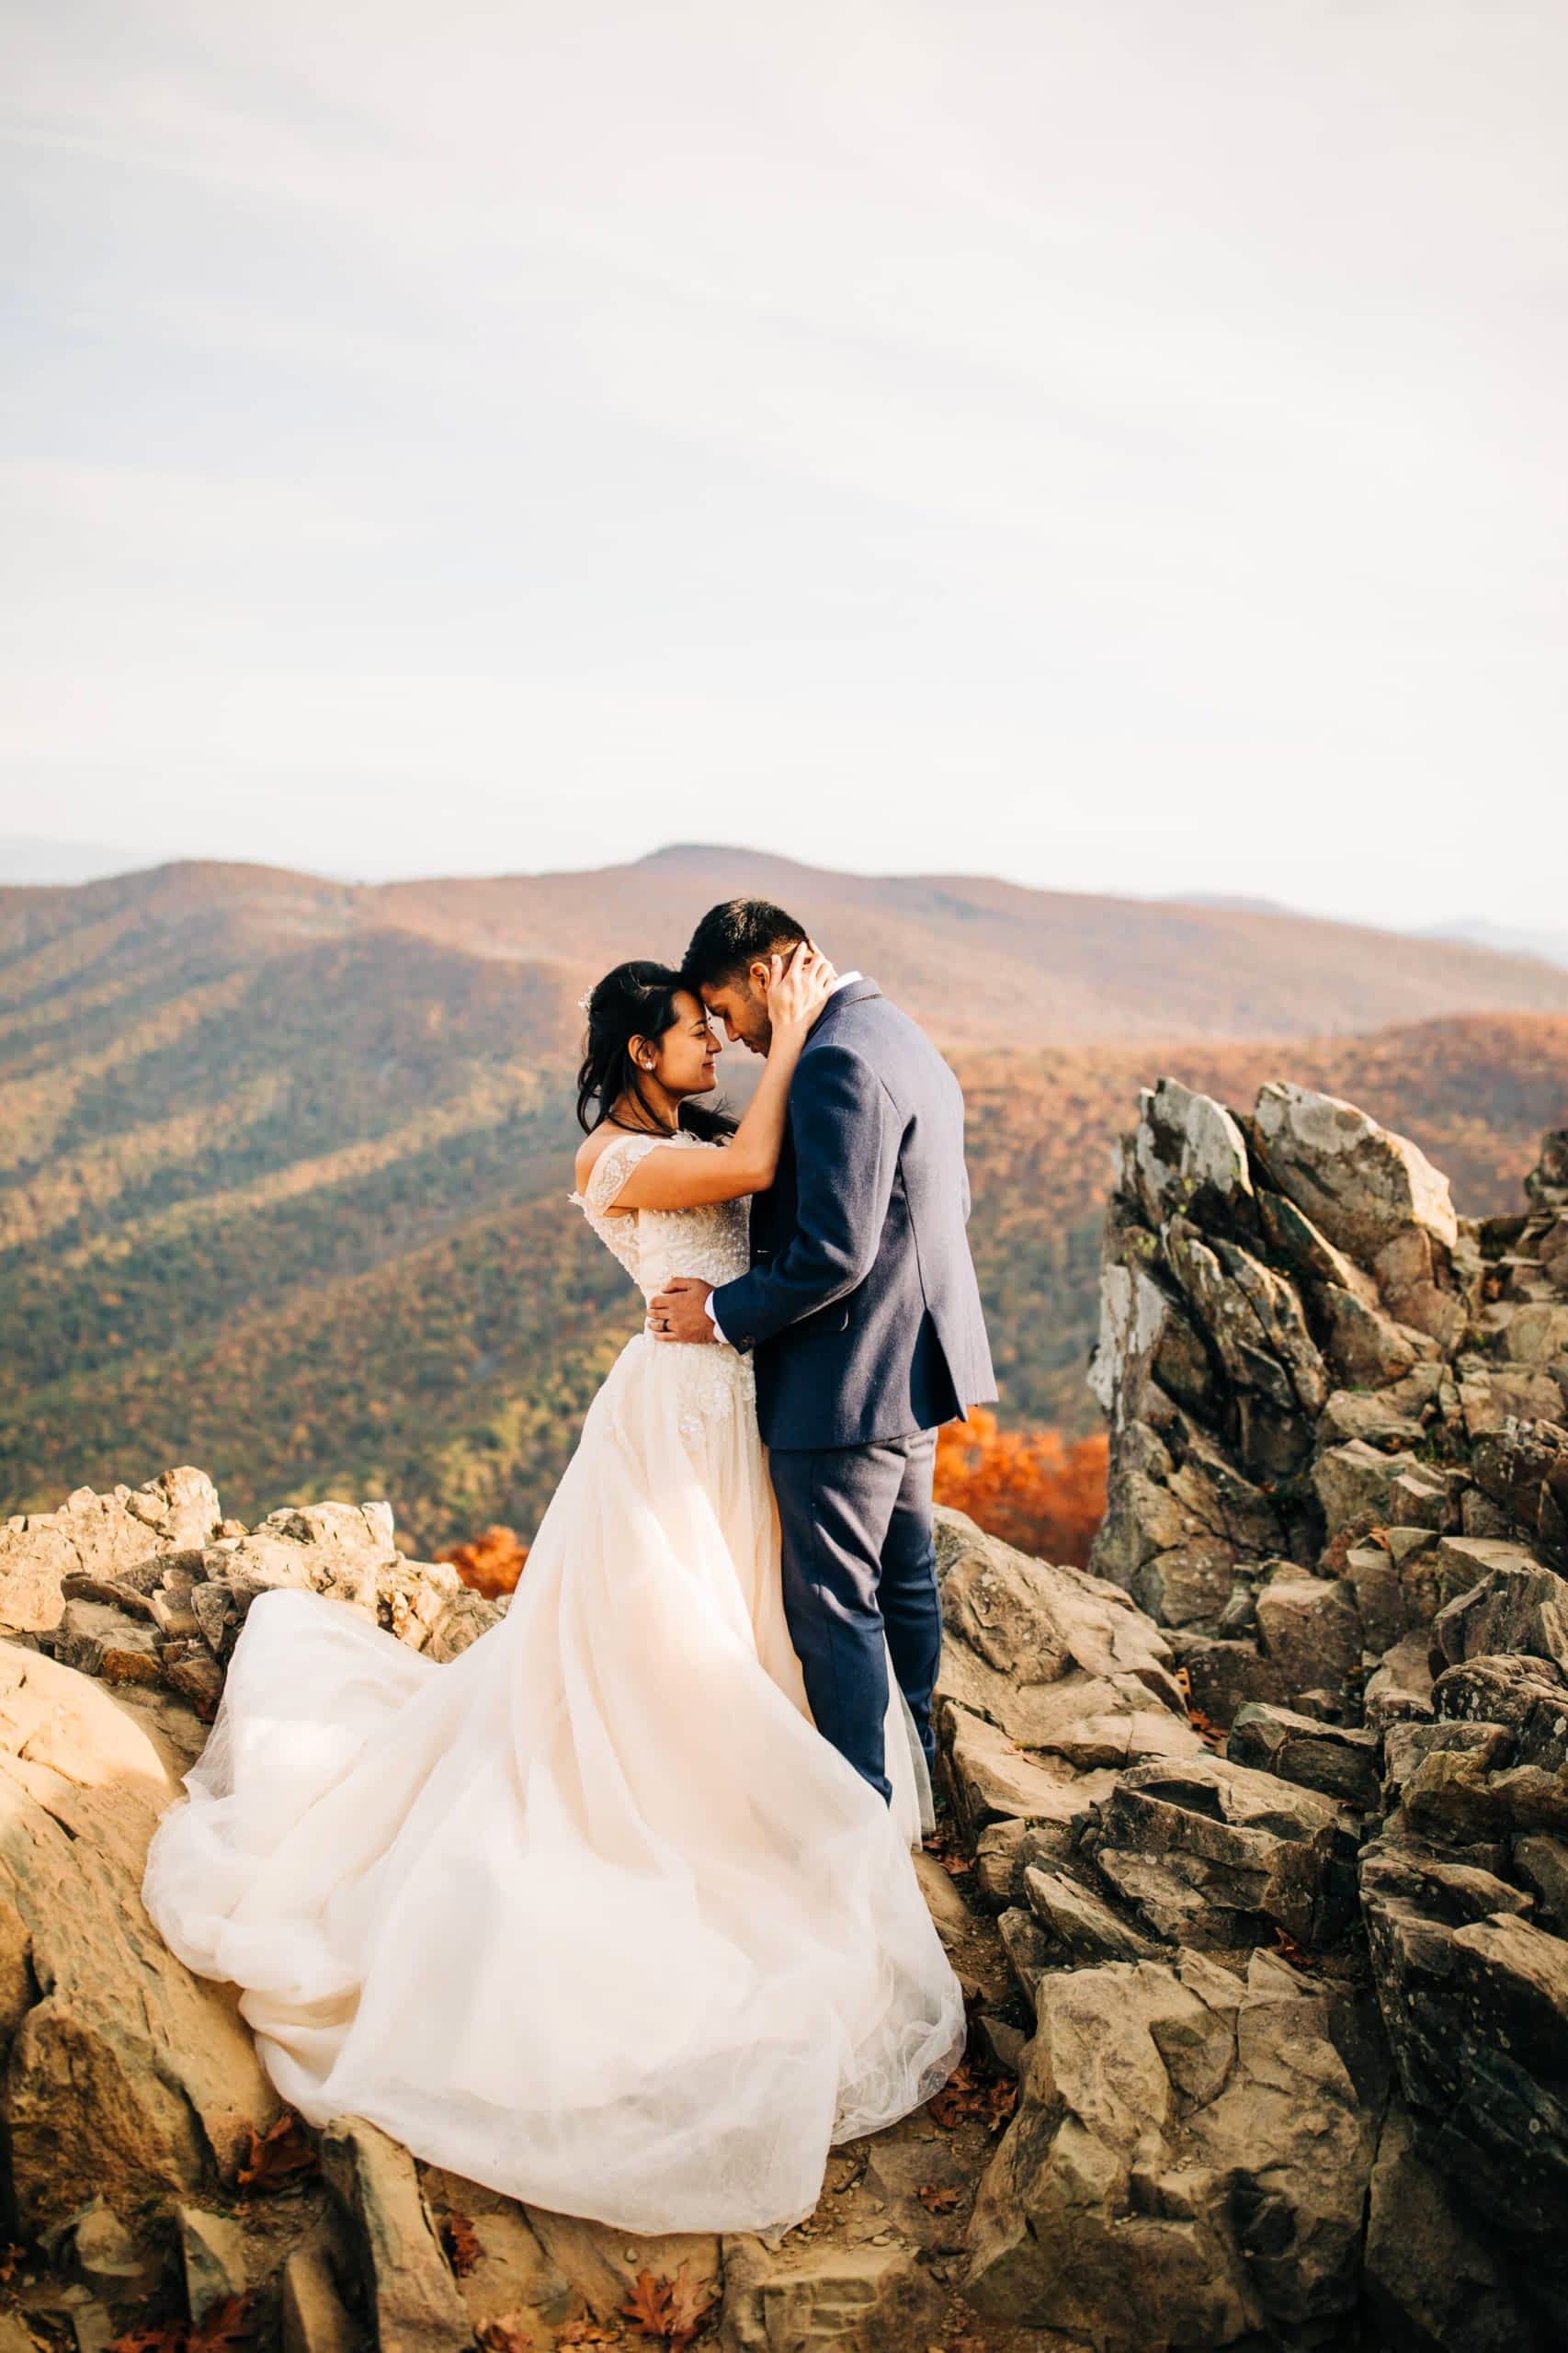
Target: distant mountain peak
[686,857]
[1474,931]
[1234,903]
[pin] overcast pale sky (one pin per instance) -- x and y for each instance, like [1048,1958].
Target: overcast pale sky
[1117,444]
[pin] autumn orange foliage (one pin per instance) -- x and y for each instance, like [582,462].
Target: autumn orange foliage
[1031,1487]
[491,1562]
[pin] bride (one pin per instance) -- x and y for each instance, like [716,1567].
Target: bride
[592,1913]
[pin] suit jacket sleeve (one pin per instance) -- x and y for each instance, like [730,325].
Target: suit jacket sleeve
[845,1134]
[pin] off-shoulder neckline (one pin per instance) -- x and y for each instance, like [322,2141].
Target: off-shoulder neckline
[676,1135]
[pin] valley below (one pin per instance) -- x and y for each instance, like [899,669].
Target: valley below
[284,1165]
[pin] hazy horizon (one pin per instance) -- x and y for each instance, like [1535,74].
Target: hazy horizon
[52,859]
[1119,449]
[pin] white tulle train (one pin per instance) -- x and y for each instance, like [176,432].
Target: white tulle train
[593,1914]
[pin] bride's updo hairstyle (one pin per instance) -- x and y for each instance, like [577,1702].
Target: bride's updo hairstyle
[636,1000]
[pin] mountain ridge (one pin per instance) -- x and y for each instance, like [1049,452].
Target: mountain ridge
[977,960]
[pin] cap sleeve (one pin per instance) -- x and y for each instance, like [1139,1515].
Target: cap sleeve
[613,1167]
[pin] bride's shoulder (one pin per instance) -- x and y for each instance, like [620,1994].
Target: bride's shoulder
[593,1148]
[588,1151]
[608,1155]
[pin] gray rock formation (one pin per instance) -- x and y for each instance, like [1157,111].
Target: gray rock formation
[1339,1485]
[1191,2155]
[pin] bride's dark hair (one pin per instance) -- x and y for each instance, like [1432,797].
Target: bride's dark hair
[637,1000]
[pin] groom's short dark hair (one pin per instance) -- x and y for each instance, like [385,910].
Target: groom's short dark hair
[734,935]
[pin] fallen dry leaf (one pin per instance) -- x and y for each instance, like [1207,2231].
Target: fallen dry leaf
[937,2198]
[464,2247]
[506,2335]
[279,2156]
[670,2310]
[648,2306]
[691,2301]
[965,2093]
[226,2329]
[1211,1735]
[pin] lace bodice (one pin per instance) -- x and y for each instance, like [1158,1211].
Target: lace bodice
[712,1380]
[712,1242]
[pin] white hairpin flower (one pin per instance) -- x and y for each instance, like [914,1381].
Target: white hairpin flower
[585,1000]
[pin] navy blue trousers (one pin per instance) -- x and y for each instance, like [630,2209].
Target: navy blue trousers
[859,1561]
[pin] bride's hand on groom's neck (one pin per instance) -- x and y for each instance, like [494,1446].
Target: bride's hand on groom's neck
[794,989]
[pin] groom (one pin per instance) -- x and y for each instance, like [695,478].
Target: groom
[863,1311]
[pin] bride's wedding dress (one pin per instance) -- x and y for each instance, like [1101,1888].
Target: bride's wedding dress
[591,1914]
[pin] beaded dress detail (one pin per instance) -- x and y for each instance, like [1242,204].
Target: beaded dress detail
[591,1914]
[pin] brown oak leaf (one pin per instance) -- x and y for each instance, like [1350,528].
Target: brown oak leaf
[691,2301]
[280,2155]
[648,2306]
[670,2310]
[966,2093]
[956,2099]
[1002,2098]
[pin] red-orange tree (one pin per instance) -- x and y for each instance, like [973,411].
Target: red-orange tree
[491,1564]
[1030,1487]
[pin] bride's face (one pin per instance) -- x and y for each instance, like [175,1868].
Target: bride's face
[685,1057]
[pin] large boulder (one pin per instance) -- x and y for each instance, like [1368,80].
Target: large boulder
[1340,1761]
[1363,1187]
[1522,1467]
[406,2285]
[1517,1605]
[124,2074]
[1433,2275]
[1187,1156]
[1050,1678]
[1191,2153]
[1213,1854]
[1475,1997]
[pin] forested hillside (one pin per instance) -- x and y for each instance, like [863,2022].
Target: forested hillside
[284,1193]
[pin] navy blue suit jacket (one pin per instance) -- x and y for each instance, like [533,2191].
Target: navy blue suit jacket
[861,1305]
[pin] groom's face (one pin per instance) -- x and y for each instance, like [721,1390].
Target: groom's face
[737,1003]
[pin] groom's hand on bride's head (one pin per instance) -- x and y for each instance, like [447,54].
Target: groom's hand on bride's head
[679,1313]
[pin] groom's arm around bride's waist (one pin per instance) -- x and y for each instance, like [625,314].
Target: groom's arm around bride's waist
[844,1131]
